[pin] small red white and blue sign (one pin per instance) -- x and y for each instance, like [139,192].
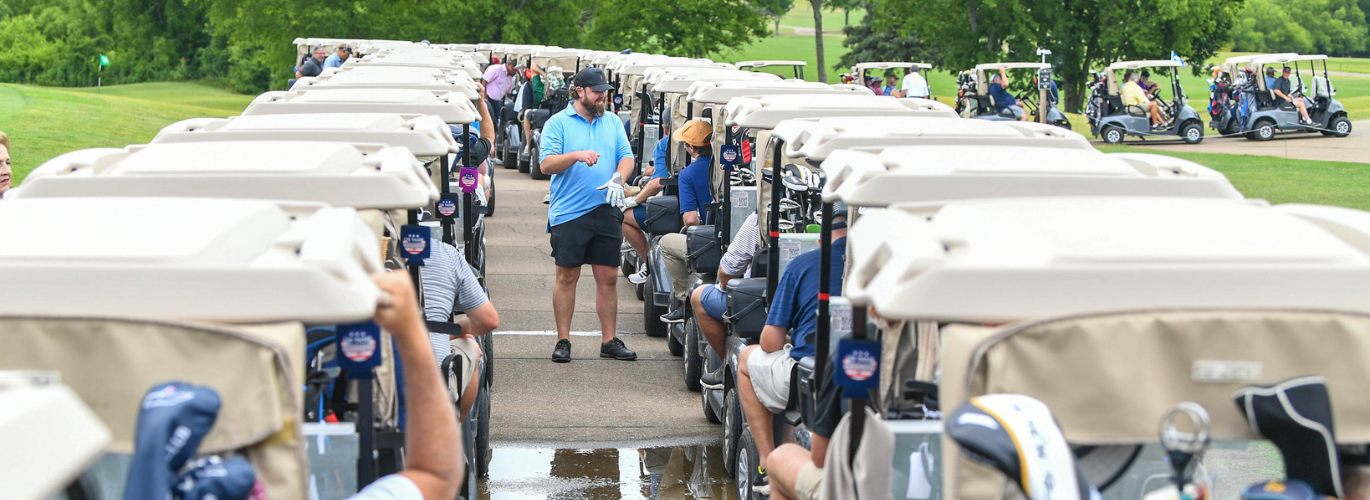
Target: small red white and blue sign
[858,366]
[467,180]
[414,242]
[729,155]
[360,346]
[447,206]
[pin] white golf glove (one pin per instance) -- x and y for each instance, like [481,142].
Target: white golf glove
[630,202]
[613,191]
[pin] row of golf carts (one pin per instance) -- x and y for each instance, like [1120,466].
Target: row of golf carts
[1017,306]
[234,254]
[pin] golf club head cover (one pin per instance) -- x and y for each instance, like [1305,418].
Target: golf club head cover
[172,420]
[1280,490]
[1018,436]
[1296,415]
[213,478]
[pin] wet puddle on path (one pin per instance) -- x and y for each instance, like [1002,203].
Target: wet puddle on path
[688,472]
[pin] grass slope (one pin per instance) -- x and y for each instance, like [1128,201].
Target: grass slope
[1283,181]
[44,122]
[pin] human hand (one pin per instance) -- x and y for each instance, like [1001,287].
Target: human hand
[613,191]
[630,203]
[401,316]
[480,89]
[588,157]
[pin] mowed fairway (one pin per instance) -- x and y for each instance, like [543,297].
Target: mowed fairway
[44,122]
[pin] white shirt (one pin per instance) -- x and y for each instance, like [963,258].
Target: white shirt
[916,86]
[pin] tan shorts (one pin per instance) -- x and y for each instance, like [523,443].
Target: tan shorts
[808,482]
[770,374]
[468,350]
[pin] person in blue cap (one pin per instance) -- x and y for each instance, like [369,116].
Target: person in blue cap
[588,156]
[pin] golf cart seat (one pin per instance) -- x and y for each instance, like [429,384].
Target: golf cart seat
[984,104]
[222,289]
[1137,110]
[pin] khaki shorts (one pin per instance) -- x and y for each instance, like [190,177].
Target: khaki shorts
[808,482]
[770,374]
[468,350]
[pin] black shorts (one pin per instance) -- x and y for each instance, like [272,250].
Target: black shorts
[593,238]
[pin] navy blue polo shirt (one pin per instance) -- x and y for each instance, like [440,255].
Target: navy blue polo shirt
[796,296]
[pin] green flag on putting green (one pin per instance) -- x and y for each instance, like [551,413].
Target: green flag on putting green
[104,60]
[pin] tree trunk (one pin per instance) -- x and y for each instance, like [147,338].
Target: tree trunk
[846,17]
[777,25]
[818,38]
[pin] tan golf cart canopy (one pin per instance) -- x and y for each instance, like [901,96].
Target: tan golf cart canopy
[567,59]
[422,135]
[236,261]
[337,173]
[942,173]
[814,139]
[721,92]
[50,437]
[451,83]
[766,112]
[750,65]
[451,107]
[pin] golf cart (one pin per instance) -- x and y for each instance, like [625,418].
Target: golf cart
[1226,108]
[563,64]
[451,61]
[974,100]
[215,302]
[1271,114]
[379,180]
[797,66]
[1114,121]
[451,82]
[1225,300]
[858,71]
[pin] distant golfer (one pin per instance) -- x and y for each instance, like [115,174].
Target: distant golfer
[588,155]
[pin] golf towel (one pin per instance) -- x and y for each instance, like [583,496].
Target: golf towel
[869,475]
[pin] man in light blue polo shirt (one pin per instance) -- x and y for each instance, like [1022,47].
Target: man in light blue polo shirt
[588,155]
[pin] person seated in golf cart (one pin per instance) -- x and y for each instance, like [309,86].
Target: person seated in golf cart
[764,369]
[695,195]
[1146,84]
[1134,96]
[1003,100]
[710,302]
[797,473]
[1283,94]
[634,219]
[914,85]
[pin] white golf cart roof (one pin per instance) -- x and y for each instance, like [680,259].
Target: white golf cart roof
[50,438]
[654,75]
[1154,63]
[863,67]
[765,64]
[641,67]
[567,59]
[680,83]
[816,138]
[1008,260]
[435,71]
[221,260]
[466,66]
[766,112]
[721,92]
[314,42]
[456,82]
[422,135]
[451,107]
[458,47]
[941,173]
[364,176]
[1257,62]
[1012,65]
[1237,61]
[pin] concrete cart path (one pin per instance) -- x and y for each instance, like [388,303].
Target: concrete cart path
[1352,148]
[589,400]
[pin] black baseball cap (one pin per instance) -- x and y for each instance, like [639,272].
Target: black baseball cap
[593,79]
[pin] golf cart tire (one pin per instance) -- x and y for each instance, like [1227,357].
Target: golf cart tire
[490,200]
[1233,128]
[487,347]
[1263,131]
[524,165]
[1113,134]
[483,450]
[677,348]
[511,155]
[694,363]
[641,291]
[1192,132]
[535,165]
[709,414]
[627,268]
[732,429]
[1336,127]
[651,313]
[744,468]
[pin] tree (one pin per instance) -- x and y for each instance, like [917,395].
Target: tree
[818,38]
[691,28]
[1336,27]
[777,9]
[846,6]
[865,44]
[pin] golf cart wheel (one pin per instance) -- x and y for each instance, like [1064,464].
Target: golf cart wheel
[651,313]
[708,408]
[1340,126]
[641,291]
[732,429]
[1113,134]
[1264,130]
[534,165]
[524,165]
[744,470]
[694,363]
[483,449]
[1233,128]
[627,267]
[1192,132]
[487,347]
[511,154]
[677,347]
[490,200]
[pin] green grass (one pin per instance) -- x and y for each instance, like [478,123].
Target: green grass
[790,47]
[43,122]
[801,16]
[1283,181]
